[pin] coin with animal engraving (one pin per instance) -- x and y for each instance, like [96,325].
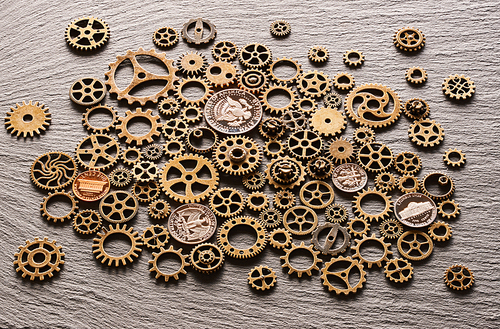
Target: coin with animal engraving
[415,210]
[91,186]
[192,223]
[233,111]
[349,177]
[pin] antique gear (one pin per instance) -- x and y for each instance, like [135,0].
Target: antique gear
[328,121]
[175,129]
[98,152]
[416,75]
[55,196]
[409,39]
[398,270]
[426,133]
[285,172]
[141,76]
[436,226]
[146,191]
[131,155]
[270,218]
[300,220]
[280,28]
[415,245]
[279,88]
[416,108]
[458,277]
[407,163]
[257,201]
[124,124]
[165,37]
[168,106]
[375,157]
[363,135]
[284,199]
[28,259]
[221,74]
[191,114]
[184,262]
[358,202]
[318,54]
[458,87]
[99,242]
[408,184]
[91,185]
[100,108]
[442,181]
[341,150]
[272,128]
[27,119]
[454,157]
[274,148]
[224,51]
[295,120]
[159,209]
[199,82]
[194,31]
[153,152]
[316,194]
[374,239]
[255,55]
[300,271]
[336,213]
[343,81]
[385,181]
[206,258]
[326,246]
[280,238]
[319,167]
[87,91]
[237,155]
[307,105]
[354,58]
[227,202]
[253,81]
[343,275]
[192,223]
[261,278]
[87,221]
[353,224]
[87,33]
[391,228]
[252,251]
[304,144]
[332,99]
[181,174]
[201,140]
[289,62]
[448,209]
[53,170]
[145,171]
[118,207]
[173,148]
[155,236]
[192,63]
[314,83]
[254,181]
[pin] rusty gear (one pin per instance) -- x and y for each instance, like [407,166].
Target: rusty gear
[454,153]
[380,241]
[358,201]
[358,233]
[191,114]
[257,201]
[285,172]
[168,106]
[272,128]
[153,152]
[391,228]
[87,221]
[237,155]
[317,194]
[343,81]
[314,84]
[407,163]
[254,250]
[254,181]
[416,108]
[27,119]
[294,120]
[53,171]
[192,63]
[307,105]
[138,115]
[97,108]
[87,91]
[145,171]
[398,270]
[227,202]
[440,237]
[201,140]
[416,75]
[270,218]
[200,82]
[284,199]
[52,255]
[363,135]
[155,236]
[55,195]
[445,183]
[131,156]
[173,148]
[385,181]
[458,277]
[118,207]
[443,209]
[408,184]
[261,278]
[170,251]
[326,246]
[255,55]
[159,209]
[328,121]
[336,213]
[274,148]
[165,37]
[175,129]
[285,62]
[343,275]
[300,220]
[280,28]
[458,87]
[277,242]
[319,167]
[411,246]
[278,88]
[146,191]
[342,150]
[253,81]
[301,271]
[354,58]
[318,54]
[135,241]
[224,51]
[409,39]
[426,133]
[199,36]
[206,258]
[375,157]
[304,144]
[87,33]
[120,177]
[332,99]
[221,74]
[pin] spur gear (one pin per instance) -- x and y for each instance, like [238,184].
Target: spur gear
[442,186]
[391,228]
[118,207]
[55,196]
[358,201]
[255,55]
[98,152]
[201,140]
[416,109]
[254,181]
[280,238]
[318,54]
[372,239]
[407,163]
[131,155]
[285,172]
[458,277]
[280,28]
[153,152]
[53,171]
[326,245]
[183,259]
[314,84]
[168,106]
[284,199]
[261,278]
[221,74]
[319,167]
[173,148]
[253,80]
[448,209]
[191,114]
[279,88]
[316,194]
[304,144]
[87,33]
[408,184]
[458,87]
[300,271]
[409,39]
[138,115]
[145,171]
[295,120]
[307,105]
[426,133]
[165,37]
[454,157]
[436,227]
[87,91]
[146,191]
[198,82]
[192,63]
[270,218]
[354,224]
[175,129]
[343,275]
[385,181]
[274,148]
[343,81]
[398,270]
[28,259]
[159,209]
[100,108]
[328,121]
[375,157]
[289,62]
[27,119]
[300,220]
[342,150]
[155,237]
[252,251]
[99,242]
[415,245]
[224,51]
[354,58]
[237,155]
[332,99]
[363,135]
[206,258]
[416,75]
[227,202]
[257,201]
[336,213]
[272,128]
[87,221]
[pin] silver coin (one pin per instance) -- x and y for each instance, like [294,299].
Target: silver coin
[233,111]
[192,223]
[415,210]
[349,177]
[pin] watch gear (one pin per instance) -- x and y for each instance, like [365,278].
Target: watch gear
[287,62]
[375,157]
[363,135]
[159,209]
[398,270]
[304,144]
[174,274]
[294,120]
[257,201]
[300,271]
[255,55]
[192,63]
[87,91]
[415,245]
[27,119]
[426,133]
[385,181]
[87,221]
[319,167]
[454,157]
[87,33]
[318,54]
[191,114]
[343,81]
[103,129]
[336,213]
[332,99]
[279,88]
[280,28]
[391,228]
[409,39]
[458,87]
[445,185]
[253,80]
[221,74]
[343,275]
[416,109]
[436,227]
[416,75]
[237,155]
[199,34]
[124,124]
[97,152]
[285,172]
[118,207]
[358,232]
[274,148]
[146,191]
[272,128]
[458,277]
[408,184]
[57,195]
[327,244]
[307,105]
[328,121]
[252,251]
[314,84]
[227,202]
[173,148]
[53,171]
[316,194]
[165,37]
[284,199]
[261,278]
[300,220]
[206,258]
[175,129]
[168,106]
[375,240]
[199,82]
[448,209]
[407,163]
[341,150]
[142,76]
[372,193]
[354,58]
[155,237]
[254,181]
[280,238]
[131,155]
[39,258]
[132,253]
[201,140]
[224,51]
[145,171]
[270,218]
[153,152]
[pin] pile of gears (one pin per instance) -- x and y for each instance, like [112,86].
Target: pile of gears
[307,163]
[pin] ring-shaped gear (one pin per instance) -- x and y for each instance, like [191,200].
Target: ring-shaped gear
[358,233]
[280,243]
[206,258]
[255,55]
[445,183]
[300,220]
[227,202]
[284,199]
[87,221]
[385,181]
[168,106]
[285,172]
[199,34]
[155,237]
[328,121]
[253,80]
[409,39]
[458,277]
[159,209]
[175,129]
[118,207]
[272,127]
[274,148]
[354,57]
[52,255]
[165,37]
[257,201]
[141,76]
[153,152]
[443,207]
[270,218]
[363,135]
[416,75]
[343,275]
[173,148]
[180,171]
[261,278]
[87,91]
[55,196]
[408,184]
[332,99]
[224,51]
[318,54]
[285,62]
[280,28]
[278,88]
[375,157]
[221,73]
[372,238]
[120,177]
[254,181]
[410,247]
[407,163]
[398,270]
[192,63]
[124,124]
[191,114]
[416,109]
[307,105]
[314,84]
[440,237]
[458,87]
[99,242]
[451,153]
[237,155]
[102,108]
[326,245]
[316,194]
[27,119]
[320,167]
[199,82]
[131,155]
[304,144]
[145,171]
[336,213]
[53,171]
[87,33]
[146,191]
[201,140]
[344,81]
[341,150]
[426,132]
[300,271]
[391,228]
[358,201]
[252,251]
[184,262]
[294,120]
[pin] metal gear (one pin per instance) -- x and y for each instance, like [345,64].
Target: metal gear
[274,148]
[358,201]
[391,228]
[254,181]
[199,35]
[332,99]
[192,63]
[139,115]
[458,277]
[280,28]
[87,91]
[284,199]
[415,245]
[285,172]
[206,258]
[261,278]
[280,238]
[354,58]
[191,114]
[326,246]
[87,221]
[54,196]
[255,55]
[237,155]
[272,128]
[227,202]
[385,181]
[165,37]
[314,83]
[27,119]
[375,157]
[173,148]
[458,87]
[363,135]
[53,171]
[253,80]
[289,62]
[168,106]
[153,152]
[170,251]
[252,251]
[416,108]
[175,129]
[354,222]
[416,75]
[100,108]
[373,238]
[304,144]
[407,163]
[442,181]
[408,184]
[300,271]
[159,209]
[270,218]
[295,120]
[87,33]
[336,213]
[440,237]
[146,191]
[300,220]
[30,266]
[343,81]
[328,121]
[145,171]
[257,201]
[279,88]
[98,152]
[409,39]
[131,155]
[445,211]
[318,54]
[224,51]
[398,270]
[155,237]
[221,74]
[449,156]
[199,82]
[118,207]
[135,243]
[426,133]
[341,150]
[319,167]
[307,105]
[343,275]
[201,140]
[316,194]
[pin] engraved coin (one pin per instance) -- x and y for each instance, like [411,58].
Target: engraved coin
[415,210]
[349,177]
[91,186]
[233,111]
[192,223]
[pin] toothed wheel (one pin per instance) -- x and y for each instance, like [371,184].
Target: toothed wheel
[39,259]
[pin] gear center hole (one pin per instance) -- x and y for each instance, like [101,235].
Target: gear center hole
[139,126]
[353,57]
[371,250]
[117,245]
[169,263]
[373,204]
[241,237]
[215,70]
[39,257]
[284,70]
[416,74]
[279,98]
[302,259]
[59,206]
[27,118]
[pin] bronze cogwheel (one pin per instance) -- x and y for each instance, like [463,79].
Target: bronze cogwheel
[184,262]
[253,81]
[300,220]
[332,99]
[459,87]
[407,163]
[373,238]
[255,55]
[358,201]
[159,209]
[445,211]
[131,155]
[124,123]
[353,57]
[458,277]
[192,63]
[155,236]
[206,258]
[87,33]
[408,184]
[283,88]
[165,37]
[300,271]
[426,132]
[289,62]
[375,157]
[237,155]
[280,238]
[385,181]
[52,258]
[304,144]
[354,222]
[363,135]
[307,105]
[224,51]
[27,119]
[314,83]
[169,106]
[146,191]
[328,121]
[391,228]
[415,245]
[317,194]
[336,213]
[198,35]
[280,28]
[53,170]
[98,152]
[257,201]
[54,196]
[449,156]
[294,120]
[221,73]
[284,199]
[416,108]
[87,91]
[440,180]
[153,152]
[135,242]
[318,54]
[100,108]
[416,75]
[285,172]
[272,127]
[409,39]
[343,275]
[440,237]
[201,140]
[342,150]
[175,129]
[270,218]
[87,221]
[254,181]
[343,81]
[398,270]
[319,167]
[261,278]
[252,251]
[227,202]
[274,148]
[200,82]
[118,207]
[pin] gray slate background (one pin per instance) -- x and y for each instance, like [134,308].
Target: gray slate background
[36,64]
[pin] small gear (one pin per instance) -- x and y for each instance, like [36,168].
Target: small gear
[280,28]
[375,157]
[253,80]
[326,244]
[409,39]
[458,87]
[284,199]
[165,37]
[398,270]
[274,148]
[39,258]
[316,194]
[336,213]
[304,144]
[436,227]
[318,54]
[87,221]
[173,148]
[98,152]
[415,245]
[353,225]
[145,171]
[192,63]
[261,278]
[252,251]
[285,172]
[448,209]
[155,237]
[174,274]
[55,196]
[27,119]
[87,33]
[442,186]
[168,106]
[319,167]
[341,150]
[257,201]
[408,184]
[458,277]
[343,81]
[175,129]
[407,163]
[138,115]
[224,51]
[199,34]
[255,55]
[201,140]
[416,109]
[237,155]
[254,181]
[227,202]
[191,114]
[454,157]
[96,109]
[270,218]
[272,128]
[118,207]
[344,275]
[391,228]
[99,242]
[120,177]
[87,91]
[385,181]
[146,191]
[159,209]
[53,171]
[328,121]
[358,202]
[131,155]
[332,99]
[280,238]
[300,220]
[295,120]
[307,105]
[153,152]
[300,271]
[287,62]
[206,258]
[363,135]
[278,89]
[372,239]
[314,84]
[221,74]
[416,75]
[426,133]
[198,82]
[354,58]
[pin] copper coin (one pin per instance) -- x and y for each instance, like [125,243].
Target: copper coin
[349,177]
[233,111]
[192,223]
[91,186]
[415,210]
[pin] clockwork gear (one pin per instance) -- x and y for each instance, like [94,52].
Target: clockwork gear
[192,63]
[288,62]
[254,181]
[385,181]
[261,278]
[319,167]
[372,239]
[227,202]
[458,277]
[415,245]
[87,221]
[165,37]
[98,152]
[39,259]
[255,55]
[350,265]
[407,163]
[458,87]
[328,121]
[183,260]
[353,58]
[343,81]
[304,144]
[253,80]
[130,117]
[426,133]
[314,84]
[57,195]
[358,227]
[416,108]
[224,51]
[232,251]
[416,75]
[279,88]
[99,243]
[336,213]
[155,236]
[375,157]
[285,172]
[96,109]
[318,54]
[280,28]
[372,193]
[237,155]
[280,238]
[221,74]
[284,199]
[206,258]
[53,171]
[295,249]
[168,106]
[409,39]
[391,228]
[87,33]
[300,220]
[342,150]
[27,119]
[398,270]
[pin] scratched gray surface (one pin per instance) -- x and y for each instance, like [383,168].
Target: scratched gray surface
[36,64]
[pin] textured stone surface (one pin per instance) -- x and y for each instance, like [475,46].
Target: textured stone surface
[36,64]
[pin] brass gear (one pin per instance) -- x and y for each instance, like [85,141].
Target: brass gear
[332,99]
[168,106]
[272,128]
[131,155]
[294,120]
[207,91]
[280,28]
[385,181]
[440,237]
[372,217]
[274,148]
[318,54]
[252,251]
[442,209]
[201,140]
[206,258]
[416,108]
[342,150]
[284,199]
[55,195]
[416,75]
[363,135]
[178,171]
[261,278]
[135,241]
[328,121]
[98,152]
[175,129]
[145,171]
[170,251]
[319,167]
[153,152]
[52,255]
[221,74]
[200,36]
[412,249]
[340,77]
[155,237]
[314,83]
[124,122]
[448,155]
[227,202]
[253,80]
[27,119]
[358,233]
[406,187]
[173,148]
[326,245]
[458,87]
[309,249]
[254,181]
[285,62]
[409,39]
[354,58]
[317,194]
[285,172]
[270,218]
[336,213]
[87,221]
[278,243]
[118,207]
[458,277]
[191,114]
[255,55]
[253,201]
[224,51]
[278,88]
[87,33]
[398,270]
[391,228]
[447,187]
[304,144]
[237,155]
[300,220]
[373,238]
[375,157]
[53,171]
[192,63]
[100,130]
[426,133]
[307,105]
[141,76]
[165,37]
[407,163]
[343,275]
[159,209]
[87,91]
[146,191]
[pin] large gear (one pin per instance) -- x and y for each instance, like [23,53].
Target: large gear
[206,258]
[165,37]
[300,271]
[87,33]
[409,39]
[300,220]
[443,182]
[99,242]
[254,181]
[304,144]
[426,133]
[192,63]
[358,232]
[358,201]
[221,74]
[227,202]
[279,88]
[98,152]
[285,62]
[155,236]
[55,196]
[53,170]
[314,83]
[328,121]
[261,278]
[391,228]
[316,194]
[459,87]
[343,275]
[458,277]
[372,239]
[375,157]
[255,55]
[100,108]
[398,270]
[253,80]
[416,108]
[118,207]
[319,167]
[411,246]
[141,75]
[224,51]
[138,115]
[146,191]
[252,251]
[27,119]
[199,82]
[285,172]
[341,150]
[87,221]
[407,163]
[28,259]
[327,244]
[170,251]
[237,155]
